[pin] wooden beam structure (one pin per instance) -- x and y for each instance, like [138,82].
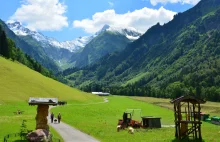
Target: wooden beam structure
[187,111]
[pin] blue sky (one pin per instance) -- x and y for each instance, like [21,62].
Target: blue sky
[68,19]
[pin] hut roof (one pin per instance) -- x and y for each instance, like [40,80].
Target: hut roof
[188,98]
[46,101]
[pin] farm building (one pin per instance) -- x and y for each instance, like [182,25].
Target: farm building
[151,122]
[101,93]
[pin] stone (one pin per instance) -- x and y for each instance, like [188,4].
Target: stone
[39,135]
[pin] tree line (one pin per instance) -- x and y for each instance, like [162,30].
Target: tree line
[9,50]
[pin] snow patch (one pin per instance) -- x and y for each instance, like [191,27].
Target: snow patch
[73,45]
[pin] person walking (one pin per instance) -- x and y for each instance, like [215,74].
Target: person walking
[59,117]
[51,117]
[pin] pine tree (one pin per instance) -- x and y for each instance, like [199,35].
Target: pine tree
[0,40]
[4,45]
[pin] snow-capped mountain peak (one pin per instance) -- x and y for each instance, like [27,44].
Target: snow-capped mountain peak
[73,45]
[130,32]
[18,29]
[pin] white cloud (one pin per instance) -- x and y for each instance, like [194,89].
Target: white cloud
[111,4]
[140,19]
[44,15]
[192,2]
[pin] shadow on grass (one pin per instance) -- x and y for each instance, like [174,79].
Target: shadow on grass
[20,141]
[187,140]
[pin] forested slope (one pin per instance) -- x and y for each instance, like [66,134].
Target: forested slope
[180,57]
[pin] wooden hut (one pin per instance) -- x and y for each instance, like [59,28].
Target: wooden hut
[151,122]
[187,111]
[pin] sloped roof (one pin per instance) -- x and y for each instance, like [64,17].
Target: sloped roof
[46,101]
[188,98]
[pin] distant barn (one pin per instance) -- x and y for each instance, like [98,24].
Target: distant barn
[101,93]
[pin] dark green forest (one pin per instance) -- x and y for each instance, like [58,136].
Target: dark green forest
[178,58]
[10,51]
[30,48]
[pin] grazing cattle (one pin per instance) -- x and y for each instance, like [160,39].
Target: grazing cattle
[118,128]
[131,130]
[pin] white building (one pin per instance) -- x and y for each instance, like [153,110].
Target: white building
[101,93]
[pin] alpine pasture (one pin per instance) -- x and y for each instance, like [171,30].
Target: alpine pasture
[100,121]
[17,84]
[83,110]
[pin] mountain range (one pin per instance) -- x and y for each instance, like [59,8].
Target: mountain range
[177,58]
[72,46]
[31,48]
[66,54]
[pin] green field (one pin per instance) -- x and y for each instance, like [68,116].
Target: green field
[18,83]
[212,108]
[100,121]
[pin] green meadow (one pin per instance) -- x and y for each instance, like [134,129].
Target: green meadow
[11,123]
[18,83]
[100,121]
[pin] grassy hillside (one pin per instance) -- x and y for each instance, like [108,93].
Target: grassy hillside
[18,83]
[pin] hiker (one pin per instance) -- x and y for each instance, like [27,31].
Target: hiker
[59,117]
[51,117]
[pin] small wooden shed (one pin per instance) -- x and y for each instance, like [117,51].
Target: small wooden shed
[151,122]
[187,111]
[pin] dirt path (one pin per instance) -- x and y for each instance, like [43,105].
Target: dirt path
[70,134]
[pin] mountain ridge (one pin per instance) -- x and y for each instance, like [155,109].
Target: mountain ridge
[35,51]
[104,43]
[73,45]
[71,53]
[158,60]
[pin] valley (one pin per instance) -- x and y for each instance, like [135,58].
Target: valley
[141,60]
